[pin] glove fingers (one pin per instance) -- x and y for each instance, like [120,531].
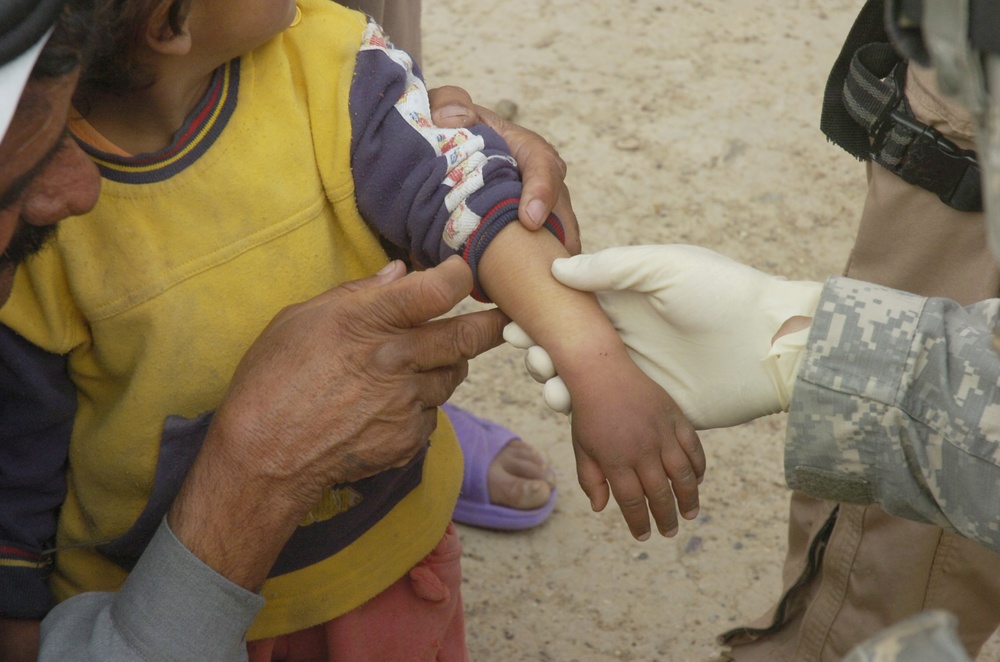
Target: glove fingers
[556,395]
[610,269]
[638,268]
[517,336]
[539,364]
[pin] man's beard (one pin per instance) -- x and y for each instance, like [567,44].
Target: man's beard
[27,240]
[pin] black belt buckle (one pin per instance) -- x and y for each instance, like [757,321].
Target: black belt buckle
[938,165]
[930,161]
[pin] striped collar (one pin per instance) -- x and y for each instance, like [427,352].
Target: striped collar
[201,129]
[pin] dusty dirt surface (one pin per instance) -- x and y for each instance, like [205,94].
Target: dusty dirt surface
[691,121]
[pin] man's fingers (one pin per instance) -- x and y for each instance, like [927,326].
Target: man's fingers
[435,387]
[389,273]
[421,296]
[394,299]
[543,172]
[542,169]
[421,430]
[452,107]
[564,210]
[444,342]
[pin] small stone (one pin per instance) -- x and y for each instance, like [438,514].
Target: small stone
[628,144]
[506,109]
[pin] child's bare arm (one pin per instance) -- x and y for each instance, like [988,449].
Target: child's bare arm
[628,433]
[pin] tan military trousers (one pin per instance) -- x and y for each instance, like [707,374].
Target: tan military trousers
[851,571]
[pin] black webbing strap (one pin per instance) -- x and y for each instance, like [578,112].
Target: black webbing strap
[23,23]
[836,122]
[864,112]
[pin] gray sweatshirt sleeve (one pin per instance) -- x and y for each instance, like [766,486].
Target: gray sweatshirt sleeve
[897,403]
[172,607]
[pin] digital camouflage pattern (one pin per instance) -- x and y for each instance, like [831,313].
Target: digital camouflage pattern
[897,403]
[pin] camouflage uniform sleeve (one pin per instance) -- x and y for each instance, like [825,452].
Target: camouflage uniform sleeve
[927,637]
[897,403]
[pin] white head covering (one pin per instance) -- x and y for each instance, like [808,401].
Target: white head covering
[13,78]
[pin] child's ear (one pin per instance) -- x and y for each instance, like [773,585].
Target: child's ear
[160,34]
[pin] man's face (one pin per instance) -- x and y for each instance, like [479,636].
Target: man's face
[44,175]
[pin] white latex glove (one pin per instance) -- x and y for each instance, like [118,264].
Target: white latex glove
[540,367]
[697,322]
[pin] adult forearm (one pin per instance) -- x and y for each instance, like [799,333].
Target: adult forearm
[220,517]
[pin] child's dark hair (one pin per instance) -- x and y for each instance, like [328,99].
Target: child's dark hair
[113,67]
[73,37]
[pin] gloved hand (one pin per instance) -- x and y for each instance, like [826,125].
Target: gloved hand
[698,323]
[541,369]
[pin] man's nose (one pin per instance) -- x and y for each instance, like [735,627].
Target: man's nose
[69,185]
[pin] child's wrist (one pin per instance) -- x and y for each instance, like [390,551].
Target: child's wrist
[583,358]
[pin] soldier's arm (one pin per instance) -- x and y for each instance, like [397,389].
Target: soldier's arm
[897,403]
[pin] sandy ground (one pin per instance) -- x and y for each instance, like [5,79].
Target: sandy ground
[690,121]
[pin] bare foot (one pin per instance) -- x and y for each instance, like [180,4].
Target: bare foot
[520,477]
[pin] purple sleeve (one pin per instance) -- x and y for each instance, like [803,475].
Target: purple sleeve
[432,192]
[37,406]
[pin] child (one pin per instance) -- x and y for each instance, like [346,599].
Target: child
[274,149]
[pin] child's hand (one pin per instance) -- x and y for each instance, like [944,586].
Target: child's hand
[629,435]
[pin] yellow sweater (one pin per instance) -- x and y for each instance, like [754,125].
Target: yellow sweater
[158,292]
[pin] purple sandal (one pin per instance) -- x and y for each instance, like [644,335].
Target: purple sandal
[481,440]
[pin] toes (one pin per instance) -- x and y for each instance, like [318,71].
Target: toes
[520,477]
[519,493]
[521,460]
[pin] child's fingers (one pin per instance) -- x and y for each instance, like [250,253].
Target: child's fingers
[688,439]
[592,479]
[683,478]
[660,496]
[631,498]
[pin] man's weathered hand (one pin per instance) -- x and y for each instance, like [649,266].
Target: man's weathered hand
[542,169]
[335,389]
